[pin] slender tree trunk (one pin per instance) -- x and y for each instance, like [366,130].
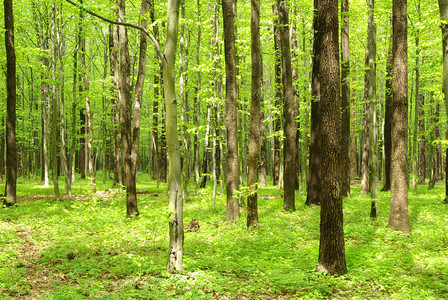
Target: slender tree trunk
[422,143]
[399,216]
[263,149]
[163,141]
[277,97]
[416,106]
[331,247]
[196,116]
[125,117]
[254,134]
[387,140]
[345,102]
[314,172]
[54,106]
[174,173]
[365,141]
[232,176]
[89,117]
[290,129]
[373,119]
[11,147]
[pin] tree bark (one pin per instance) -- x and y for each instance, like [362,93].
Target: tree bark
[387,142]
[125,117]
[277,97]
[416,105]
[365,141]
[314,172]
[255,115]
[11,146]
[290,128]
[443,9]
[399,216]
[176,226]
[331,247]
[232,176]
[422,143]
[345,101]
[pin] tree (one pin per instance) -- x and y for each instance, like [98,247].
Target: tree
[232,179]
[399,216]
[313,196]
[345,101]
[290,129]
[255,115]
[11,147]
[331,247]
[443,9]
[387,139]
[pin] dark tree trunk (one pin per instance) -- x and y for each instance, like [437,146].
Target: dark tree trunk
[399,216]
[254,133]
[263,150]
[11,147]
[313,196]
[365,141]
[331,247]
[387,142]
[345,102]
[163,156]
[278,95]
[290,129]
[422,143]
[232,179]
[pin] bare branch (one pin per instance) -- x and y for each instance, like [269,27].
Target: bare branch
[153,39]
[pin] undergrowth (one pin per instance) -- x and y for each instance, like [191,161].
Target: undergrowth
[87,249]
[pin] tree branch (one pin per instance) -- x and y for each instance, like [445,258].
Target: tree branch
[153,39]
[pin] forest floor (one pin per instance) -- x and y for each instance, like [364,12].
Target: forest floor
[87,249]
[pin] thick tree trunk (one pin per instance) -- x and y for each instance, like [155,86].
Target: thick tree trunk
[399,216]
[232,176]
[11,147]
[254,133]
[331,247]
[290,129]
[314,172]
[176,225]
[345,102]
[443,9]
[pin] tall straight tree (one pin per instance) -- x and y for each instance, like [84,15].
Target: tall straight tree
[11,147]
[399,216]
[232,176]
[313,196]
[345,101]
[443,9]
[331,247]
[387,140]
[254,134]
[290,127]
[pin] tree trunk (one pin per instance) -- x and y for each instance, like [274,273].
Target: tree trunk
[277,97]
[54,106]
[254,133]
[290,129]
[263,149]
[197,116]
[399,217]
[125,117]
[314,172]
[176,226]
[373,120]
[331,247]
[11,147]
[416,105]
[387,140]
[345,102]
[89,117]
[232,176]
[365,141]
[443,9]
[422,143]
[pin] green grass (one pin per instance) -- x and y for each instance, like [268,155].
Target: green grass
[87,249]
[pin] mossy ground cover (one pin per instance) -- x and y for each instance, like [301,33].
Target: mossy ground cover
[87,249]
